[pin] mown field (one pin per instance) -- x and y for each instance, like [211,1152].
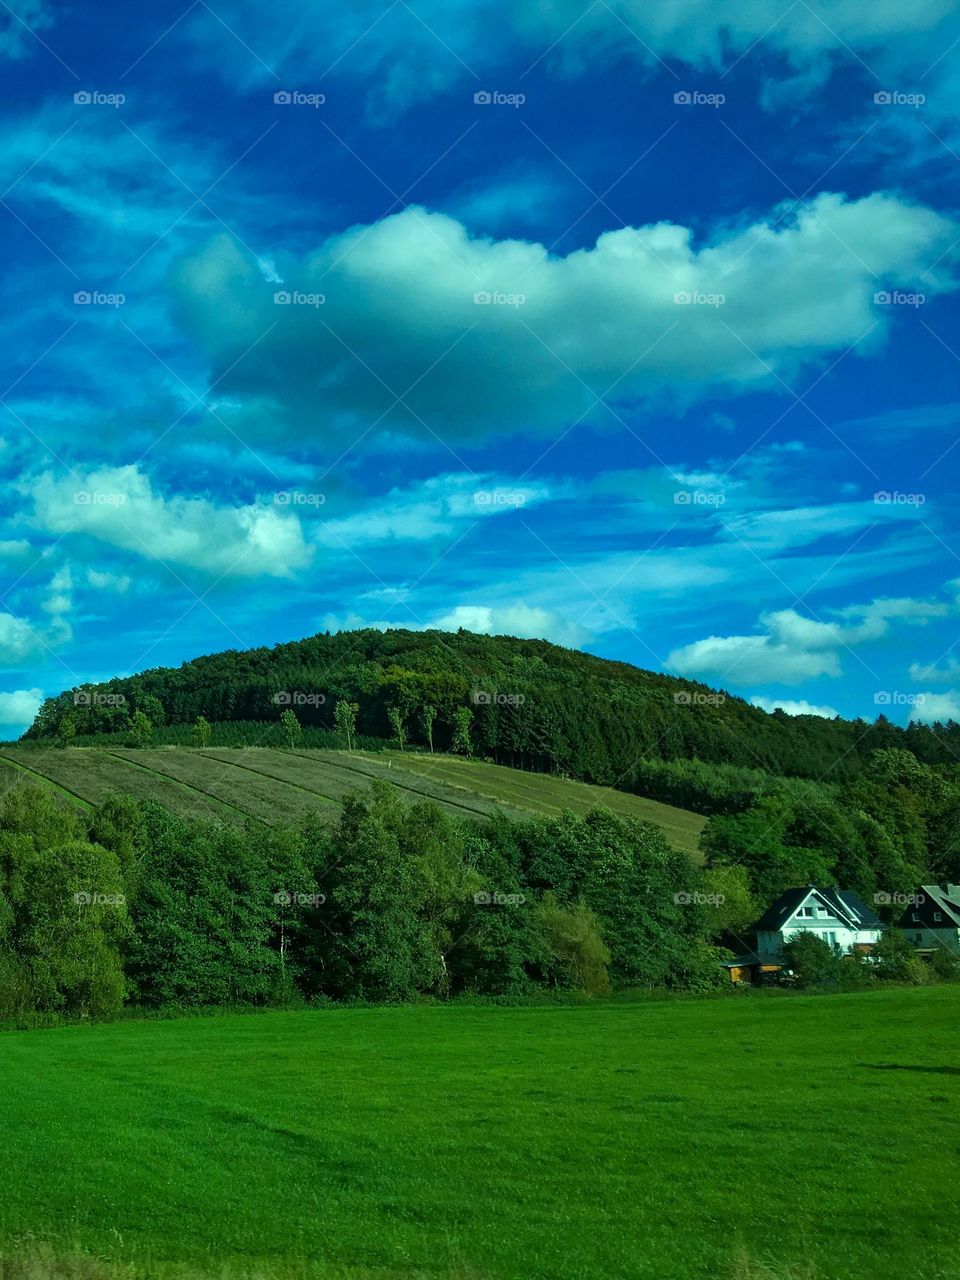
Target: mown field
[806,1137]
[272,785]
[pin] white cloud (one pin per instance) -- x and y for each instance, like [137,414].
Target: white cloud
[18,639]
[931,673]
[434,507]
[18,709]
[794,707]
[757,659]
[119,506]
[118,583]
[930,707]
[795,648]
[412,52]
[399,317]
[529,622]
[526,621]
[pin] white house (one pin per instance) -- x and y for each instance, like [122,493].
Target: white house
[837,916]
[933,918]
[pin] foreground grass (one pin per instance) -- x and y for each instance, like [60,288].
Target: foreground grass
[810,1137]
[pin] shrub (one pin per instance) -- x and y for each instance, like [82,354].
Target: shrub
[811,960]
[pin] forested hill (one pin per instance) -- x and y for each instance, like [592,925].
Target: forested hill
[526,703]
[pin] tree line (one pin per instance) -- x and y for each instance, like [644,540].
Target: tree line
[130,905]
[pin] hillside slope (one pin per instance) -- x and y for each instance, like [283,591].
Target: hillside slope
[525,703]
[271,786]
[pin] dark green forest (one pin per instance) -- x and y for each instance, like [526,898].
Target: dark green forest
[129,904]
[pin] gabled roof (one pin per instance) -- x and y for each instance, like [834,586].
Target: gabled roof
[852,910]
[950,907]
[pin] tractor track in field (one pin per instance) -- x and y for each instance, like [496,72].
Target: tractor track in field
[371,776]
[49,782]
[184,786]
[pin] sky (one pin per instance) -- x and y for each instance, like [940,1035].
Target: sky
[629,326]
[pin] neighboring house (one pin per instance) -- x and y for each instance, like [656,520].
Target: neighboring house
[934,918]
[837,916]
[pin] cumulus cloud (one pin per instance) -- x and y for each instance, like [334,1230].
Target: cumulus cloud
[529,622]
[18,640]
[931,707]
[795,648]
[119,506]
[752,660]
[523,620]
[17,709]
[398,316]
[794,707]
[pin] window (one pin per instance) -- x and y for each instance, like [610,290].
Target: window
[915,917]
[937,915]
[807,912]
[917,938]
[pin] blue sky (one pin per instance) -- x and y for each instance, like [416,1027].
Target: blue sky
[630,326]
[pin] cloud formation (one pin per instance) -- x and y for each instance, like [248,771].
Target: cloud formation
[119,506]
[795,648]
[412,52]
[381,325]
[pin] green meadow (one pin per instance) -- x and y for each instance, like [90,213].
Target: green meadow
[762,1137]
[271,785]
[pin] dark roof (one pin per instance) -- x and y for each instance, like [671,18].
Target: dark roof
[933,897]
[843,901]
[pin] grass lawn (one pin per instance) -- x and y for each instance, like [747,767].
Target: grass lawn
[742,1138]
